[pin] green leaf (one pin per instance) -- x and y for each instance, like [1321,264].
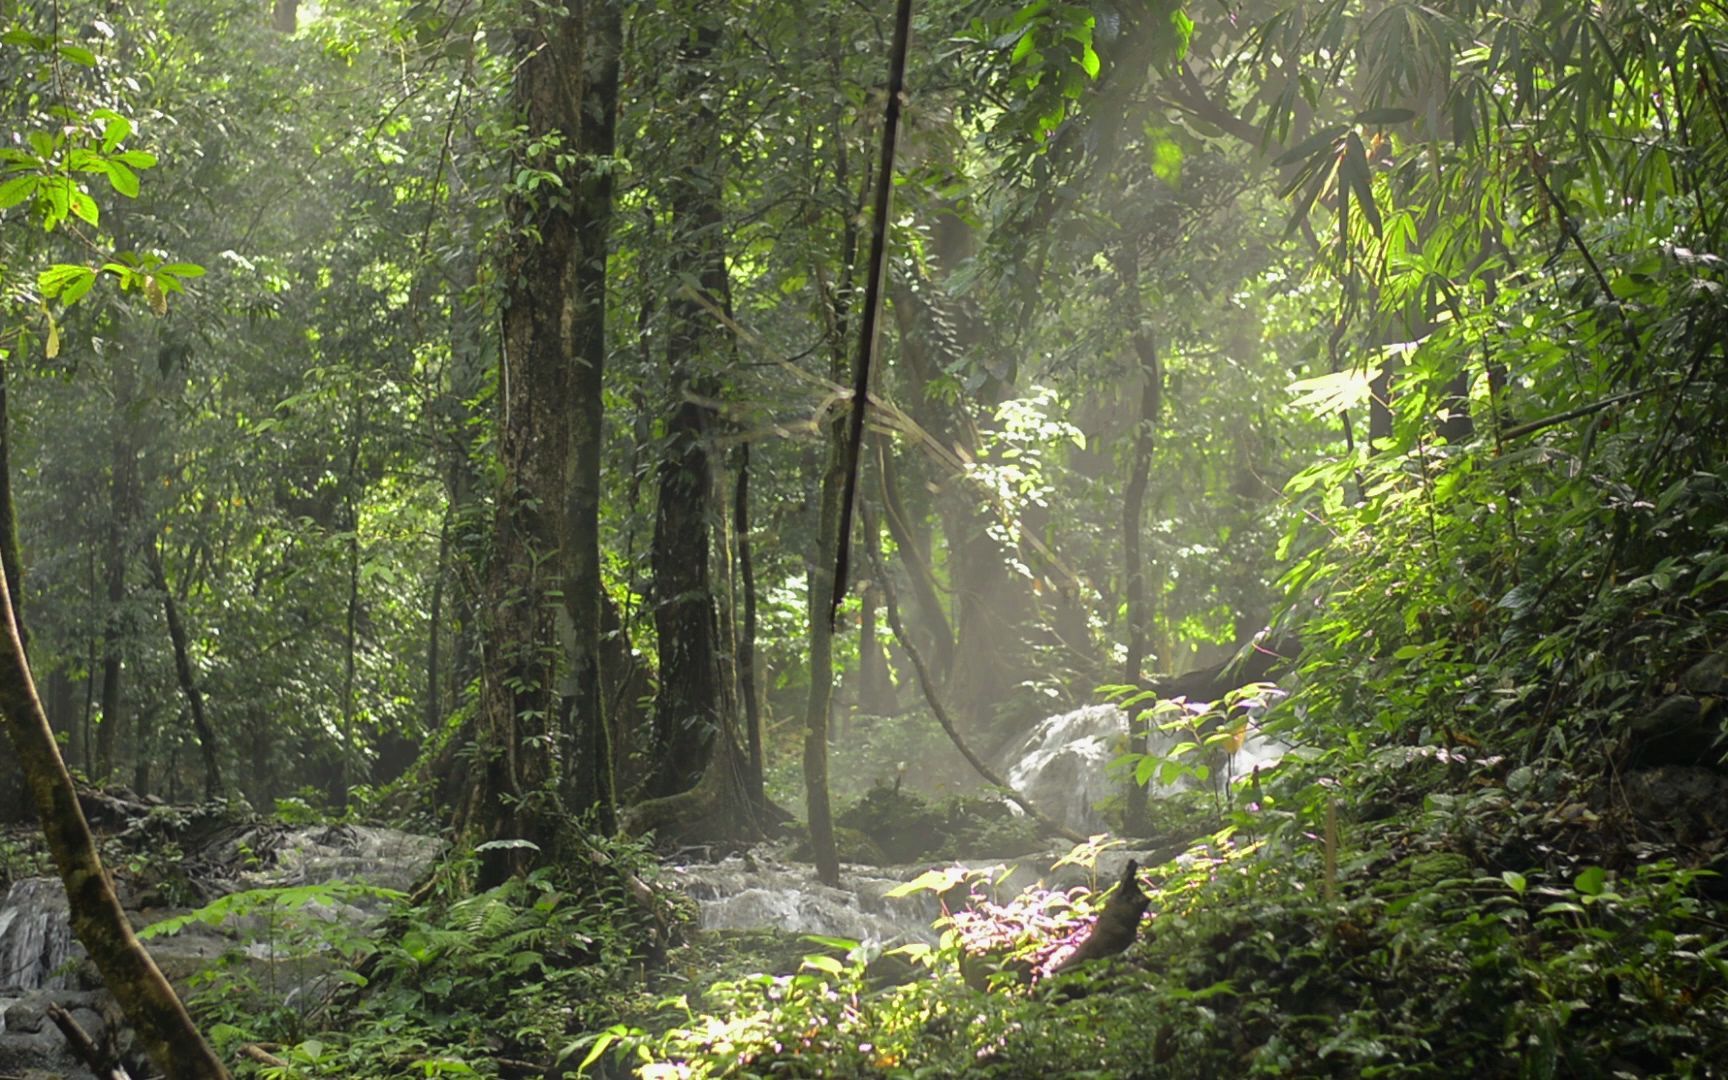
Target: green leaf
[1023,48]
[936,881]
[78,54]
[1089,60]
[1591,881]
[843,944]
[1514,881]
[1354,168]
[1310,146]
[16,190]
[114,132]
[138,159]
[123,180]
[85,207]
[181,270]
[824,963]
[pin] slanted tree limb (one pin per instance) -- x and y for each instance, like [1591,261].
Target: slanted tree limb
[872,298]
[931,695]
[146,999]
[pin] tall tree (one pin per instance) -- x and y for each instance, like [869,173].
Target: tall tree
[541,677]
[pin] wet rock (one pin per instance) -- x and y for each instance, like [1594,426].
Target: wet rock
[30,1043]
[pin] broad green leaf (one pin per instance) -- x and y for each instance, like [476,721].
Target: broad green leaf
[138,159]
[78,54]
[123,180]
[1089,60]
[85,207]
[16,190]
[824,963]
[1591,881]
[114,132]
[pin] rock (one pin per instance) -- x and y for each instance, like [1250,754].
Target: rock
[1687,802]
[1677,730]
[1709,676]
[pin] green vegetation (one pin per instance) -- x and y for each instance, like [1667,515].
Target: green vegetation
[433,413]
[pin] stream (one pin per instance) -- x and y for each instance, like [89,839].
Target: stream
[1060,766]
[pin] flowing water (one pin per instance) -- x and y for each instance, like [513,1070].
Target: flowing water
[1063,765]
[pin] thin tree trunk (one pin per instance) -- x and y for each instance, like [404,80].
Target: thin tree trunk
[183,672]
[123,487]
[1133,516]
[434,710]
[818,807]
[915,554]
[747,634]
[351,621]
[148,1002]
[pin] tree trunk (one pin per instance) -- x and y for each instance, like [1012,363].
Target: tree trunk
[546,525]
[183,672]
[146,999]
[123,496]
[595,40]
[688,713]
[1133,518]
[875,686]
[821,592]
[747,633]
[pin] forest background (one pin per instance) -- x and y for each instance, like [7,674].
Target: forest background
[440,408]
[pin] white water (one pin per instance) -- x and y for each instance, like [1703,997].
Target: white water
[1063,765]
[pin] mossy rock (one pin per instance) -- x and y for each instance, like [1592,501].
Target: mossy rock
[851,845]
[901,823]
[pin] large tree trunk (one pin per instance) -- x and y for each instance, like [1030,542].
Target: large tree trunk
[156,1015]
[546,529]
[585,740]
[688,714]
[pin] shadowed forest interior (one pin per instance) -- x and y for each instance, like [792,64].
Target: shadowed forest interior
[1130,538]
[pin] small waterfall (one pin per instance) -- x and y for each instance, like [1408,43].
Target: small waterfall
[35,938]
[753,892]
[1062,766]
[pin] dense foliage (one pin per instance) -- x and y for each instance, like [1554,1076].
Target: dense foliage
[1397,328]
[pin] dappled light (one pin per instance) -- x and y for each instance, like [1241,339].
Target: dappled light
[684,539]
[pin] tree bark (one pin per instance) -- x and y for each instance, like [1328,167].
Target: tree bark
[688,711]
[148,1002]
[747,632]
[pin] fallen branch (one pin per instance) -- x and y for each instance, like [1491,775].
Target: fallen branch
[85,1047]
[1118,924]
[262,1056]
[928,685]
